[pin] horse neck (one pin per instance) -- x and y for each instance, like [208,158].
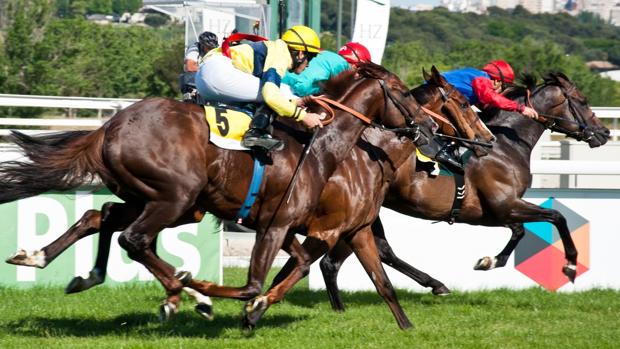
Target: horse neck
[516,130]
[337,140]
[386,148]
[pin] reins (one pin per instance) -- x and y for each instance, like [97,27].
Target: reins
[553,117]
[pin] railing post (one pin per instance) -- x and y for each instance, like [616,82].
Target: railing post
[564,155]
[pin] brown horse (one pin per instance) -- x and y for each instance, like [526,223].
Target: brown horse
[156,156]
[495,183]
[346,208]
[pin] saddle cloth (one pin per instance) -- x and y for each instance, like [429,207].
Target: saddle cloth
[227,125]
[430,166]
[424,163]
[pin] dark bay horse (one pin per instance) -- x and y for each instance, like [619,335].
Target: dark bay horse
[346,209]
[495,183]
[156,156]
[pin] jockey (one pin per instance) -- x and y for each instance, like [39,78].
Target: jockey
[484,87]
[252,73]
[195,52]
[325,65]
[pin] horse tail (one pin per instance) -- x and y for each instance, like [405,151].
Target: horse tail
[59,161]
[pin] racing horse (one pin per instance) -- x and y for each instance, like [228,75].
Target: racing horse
[346,208]
[156,156]
[495,183]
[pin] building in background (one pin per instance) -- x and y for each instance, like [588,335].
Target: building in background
[608,10]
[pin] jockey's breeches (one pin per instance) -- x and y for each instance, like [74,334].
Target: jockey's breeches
[219,81]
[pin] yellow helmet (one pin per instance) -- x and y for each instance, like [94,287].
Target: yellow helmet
[302,38]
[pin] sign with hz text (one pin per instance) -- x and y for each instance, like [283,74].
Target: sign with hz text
[32,223]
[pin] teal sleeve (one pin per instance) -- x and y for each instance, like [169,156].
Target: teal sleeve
[321,68]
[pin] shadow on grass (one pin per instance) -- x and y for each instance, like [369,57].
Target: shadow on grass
[309,299]
[184,324]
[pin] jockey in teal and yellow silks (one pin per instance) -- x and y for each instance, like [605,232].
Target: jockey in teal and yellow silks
[325,65]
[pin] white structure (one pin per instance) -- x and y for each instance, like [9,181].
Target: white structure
[217,16]
[539,6]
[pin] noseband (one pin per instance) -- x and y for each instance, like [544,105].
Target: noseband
[445,97]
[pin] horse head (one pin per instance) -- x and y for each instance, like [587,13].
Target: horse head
[568,112]
[441,97]
[385,98]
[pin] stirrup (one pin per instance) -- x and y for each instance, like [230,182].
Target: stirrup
[450,162]
[265,141]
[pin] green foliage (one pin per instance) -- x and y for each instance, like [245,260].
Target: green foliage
[532,43]
[79,8]
[155,20]
[74,57]
[113,62]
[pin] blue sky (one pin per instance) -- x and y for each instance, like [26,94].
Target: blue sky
[414,2]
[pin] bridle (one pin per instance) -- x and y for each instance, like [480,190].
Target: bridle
[585,133]
[464,107]
[412,129]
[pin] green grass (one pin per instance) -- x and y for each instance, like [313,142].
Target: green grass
[126,317]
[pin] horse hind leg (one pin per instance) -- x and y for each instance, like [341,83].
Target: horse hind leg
[138,238]
[488,263]
[114,217]
[87,225]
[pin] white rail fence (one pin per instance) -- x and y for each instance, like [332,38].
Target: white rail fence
[539,167]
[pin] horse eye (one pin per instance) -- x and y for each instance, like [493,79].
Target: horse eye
[465,105]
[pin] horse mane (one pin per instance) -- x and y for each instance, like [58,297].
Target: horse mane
[336,85]
[422,93]
[526,82]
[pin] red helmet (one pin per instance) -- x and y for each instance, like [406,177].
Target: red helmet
[354,52]
[500,70]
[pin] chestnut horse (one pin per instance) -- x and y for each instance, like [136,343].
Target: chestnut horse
[346,208]
[156,156]
[495,183]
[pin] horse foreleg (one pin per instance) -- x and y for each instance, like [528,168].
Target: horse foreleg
[264,253]
[523,212]
[363,245]
[389,257]
[488,263]
[296,268]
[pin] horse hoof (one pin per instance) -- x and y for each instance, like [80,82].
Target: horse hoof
[441,291]
[570,270]
[205,310]
[253,311]
[485,263]
[184,276]
[166,311]
[29,259]
[79,284]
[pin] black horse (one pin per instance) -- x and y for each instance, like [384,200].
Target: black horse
[495,184]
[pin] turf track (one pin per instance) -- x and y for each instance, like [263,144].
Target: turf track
[126,317]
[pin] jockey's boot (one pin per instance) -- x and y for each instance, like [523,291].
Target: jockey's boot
[258,134]
[443,153]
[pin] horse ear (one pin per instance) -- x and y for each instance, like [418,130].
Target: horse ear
[427,76]
[563,79]
[439,79]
